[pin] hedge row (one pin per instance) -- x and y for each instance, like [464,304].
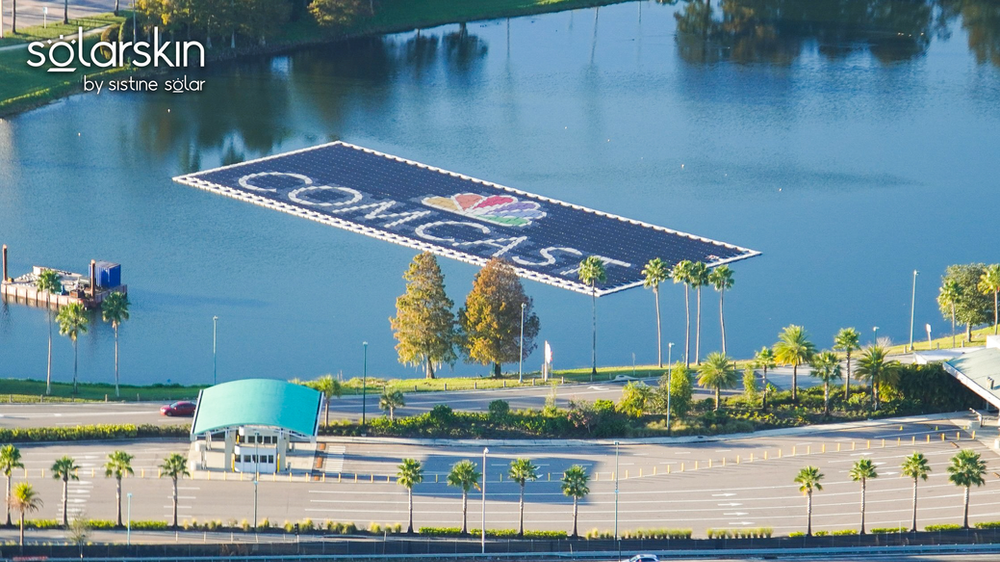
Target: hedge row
[94,524]
[91,432]
[492,533]
[757,533]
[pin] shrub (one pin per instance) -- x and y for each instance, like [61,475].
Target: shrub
[988,525]
[887,530]
[844,532]
[821,533]
[91,432]
[306,526]
[596,533]
[245,525]
[796,534]
[149,525]
[440,531]
[265,524]
[347,529]
[499,410]
[657,534]
[289,527]
[945,527]
[374,528]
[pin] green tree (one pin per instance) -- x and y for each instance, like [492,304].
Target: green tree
[24,500]
[698,278]
[808,480]
[174,467]
[465,476]
[794,348]
[717,372]
[262,19]
[966,470]
[862,471]
[847,340]
[916,467]
[636,399]
[722,279]
[337,13]
[114,309]
[329,387]
[989,283]
[48,283]
[491,318]
[679,381]
[764,360]
[73,322]
[654,273]
[949,296]
[972,305]
[424,325]
[750,389]
[591,273]
[118,465]
[411,473]
[522,472]
[65,469]
[681,273]
[389,401]
[10,459]
[875,366]
[826,367]
[574,484]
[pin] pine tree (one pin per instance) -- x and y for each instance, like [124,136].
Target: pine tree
[491,318]
[424,324]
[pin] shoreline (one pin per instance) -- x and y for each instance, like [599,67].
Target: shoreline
[313,37]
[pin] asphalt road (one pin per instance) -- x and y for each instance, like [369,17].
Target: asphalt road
[347,407]
[749,494]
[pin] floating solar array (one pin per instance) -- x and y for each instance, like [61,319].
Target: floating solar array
[456,216]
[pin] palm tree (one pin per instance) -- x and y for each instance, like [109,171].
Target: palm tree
[863,471]
[764,360]
[989,282]
[329,387]
[174,467]
[826,367]
[875,366]
[698,277]
[119,464]
[73,322]
[847,340]
[916,467]
[411,473]
[522,471]
[591,273]
[681,273]
[574,485]
[65,469]
[465,476]
[24,500]
[10,459]
[808,480]
[722,279]
[389,401]
[48,283]
[717,372]
[794,348]
[950,294]
[967,469]
[655,273]
[114,309]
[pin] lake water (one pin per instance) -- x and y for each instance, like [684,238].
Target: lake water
[851,142]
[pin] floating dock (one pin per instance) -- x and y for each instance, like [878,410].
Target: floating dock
[90,291]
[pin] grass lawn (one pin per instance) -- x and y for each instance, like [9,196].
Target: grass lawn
[18,390]
[55,28]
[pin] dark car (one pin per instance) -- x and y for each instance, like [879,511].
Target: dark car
[178,409]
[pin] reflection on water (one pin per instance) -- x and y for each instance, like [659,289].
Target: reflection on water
[844,138]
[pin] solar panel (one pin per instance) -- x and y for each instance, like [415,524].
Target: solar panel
[456,216]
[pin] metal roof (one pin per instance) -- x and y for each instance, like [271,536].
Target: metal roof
[258,402]
[980,371]
[457,216]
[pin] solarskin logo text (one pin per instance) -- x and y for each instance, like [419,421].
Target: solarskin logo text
[69,55]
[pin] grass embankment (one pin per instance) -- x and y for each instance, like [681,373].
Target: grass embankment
[23,87]
[56,28]
[978,340]
[18,390]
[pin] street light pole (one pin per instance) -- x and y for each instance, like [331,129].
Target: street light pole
[483,530]
[520,355]
[128,529]
[929,337]
[255,504]
[670,380]
[364,386]
[875,329]
[616,490]
[913,304]
[215,354]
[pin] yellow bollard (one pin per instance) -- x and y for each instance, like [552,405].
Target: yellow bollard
[612,476]
[737,459]
[868,444]
[289,475]
[901,428]
[274,477]
[709,463]
[723,461]
[942,436]
[159,473]
[696,465]
[640,473]
[341,476]
[779,453]
[373,478]
[808,449]
[793,450]
[838,447]
[668,469]
[682,467]
[597,477]
[928,437]
[958,436]
[751,457]
[323,477]
[355,477]
[897,442]
[853,444]
[824,448]
[765,455]
[209,475]
[973,433]
[550,477]
[626,475]
[142,473]
[913,440]
[241,477]
[654,470]
[883,443]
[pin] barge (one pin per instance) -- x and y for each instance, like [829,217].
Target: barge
[90,291]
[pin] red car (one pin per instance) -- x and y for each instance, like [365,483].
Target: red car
[178,409]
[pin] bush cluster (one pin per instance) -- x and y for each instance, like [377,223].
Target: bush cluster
[758,533]
[988,525]
[945,527]
[889,530]
[94,524]
[91,432]
[657,534]
[492,533]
